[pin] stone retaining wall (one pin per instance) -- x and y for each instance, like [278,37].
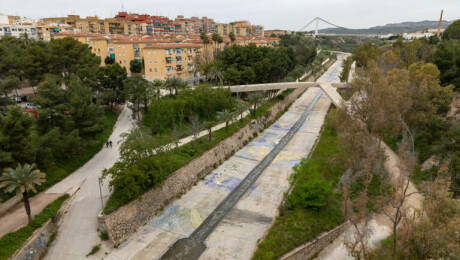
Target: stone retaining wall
[37,245]
[312,248]
[123,222]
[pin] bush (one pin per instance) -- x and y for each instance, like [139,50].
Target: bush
[15,240]
[313,192]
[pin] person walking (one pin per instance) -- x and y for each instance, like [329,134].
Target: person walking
[110,142]
[107,144]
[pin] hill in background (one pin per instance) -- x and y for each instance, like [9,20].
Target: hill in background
[393,28]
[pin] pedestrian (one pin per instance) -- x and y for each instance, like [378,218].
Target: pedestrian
[110,142]
[107,144]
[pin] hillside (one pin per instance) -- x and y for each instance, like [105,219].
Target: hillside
[393,28]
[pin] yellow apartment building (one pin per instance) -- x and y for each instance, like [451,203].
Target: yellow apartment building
[162,61]
[240,28]
[161,57]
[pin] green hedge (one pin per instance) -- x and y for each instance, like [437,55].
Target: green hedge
[15,240]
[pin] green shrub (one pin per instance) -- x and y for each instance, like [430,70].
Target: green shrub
[94,250]
[313,192]
[104,236]
[15,240]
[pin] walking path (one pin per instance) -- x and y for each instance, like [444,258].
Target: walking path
[235,237]
[78,231]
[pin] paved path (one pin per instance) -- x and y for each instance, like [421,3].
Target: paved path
[235,237]
[77,233]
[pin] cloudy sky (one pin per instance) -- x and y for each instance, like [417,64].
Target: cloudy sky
[283,14]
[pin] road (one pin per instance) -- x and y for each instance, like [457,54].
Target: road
[236,236]
[77,233]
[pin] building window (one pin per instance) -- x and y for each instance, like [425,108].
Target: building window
[121,62]
[150,69]
[156,70]
[110,49]
[155,61]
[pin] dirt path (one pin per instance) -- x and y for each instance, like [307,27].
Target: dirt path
[17,217]
[380,225]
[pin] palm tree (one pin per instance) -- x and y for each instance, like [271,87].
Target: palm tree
[175,83]
[22,180]
[254,99]
[225,116]
[216,73]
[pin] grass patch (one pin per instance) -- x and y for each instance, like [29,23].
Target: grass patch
[15,240]
[152,171]
[94,250]
[298,225]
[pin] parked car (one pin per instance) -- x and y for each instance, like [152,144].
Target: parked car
[16,99]
[32,106]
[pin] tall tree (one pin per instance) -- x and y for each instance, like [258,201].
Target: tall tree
[138,93]
[452,32]
[87,116]
[9,84]
[111,78]
[22,179]
[15,137]
[135,66]
[447,58]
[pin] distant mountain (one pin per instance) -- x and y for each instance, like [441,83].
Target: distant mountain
[394,28]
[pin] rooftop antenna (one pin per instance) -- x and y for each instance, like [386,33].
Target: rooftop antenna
[122,8]
[439,24]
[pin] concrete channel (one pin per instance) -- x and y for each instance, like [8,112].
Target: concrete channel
[225,215]
[193,246]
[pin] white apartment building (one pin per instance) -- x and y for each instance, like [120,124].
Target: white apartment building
[16,29]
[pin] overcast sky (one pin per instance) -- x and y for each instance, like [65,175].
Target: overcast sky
[273,14]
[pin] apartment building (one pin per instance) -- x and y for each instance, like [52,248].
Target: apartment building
[275,32]
[162,61]
[240,28]
[16,26]
[193,25]
[163,55]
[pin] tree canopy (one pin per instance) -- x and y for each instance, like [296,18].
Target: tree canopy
[251,64]
[452,32]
